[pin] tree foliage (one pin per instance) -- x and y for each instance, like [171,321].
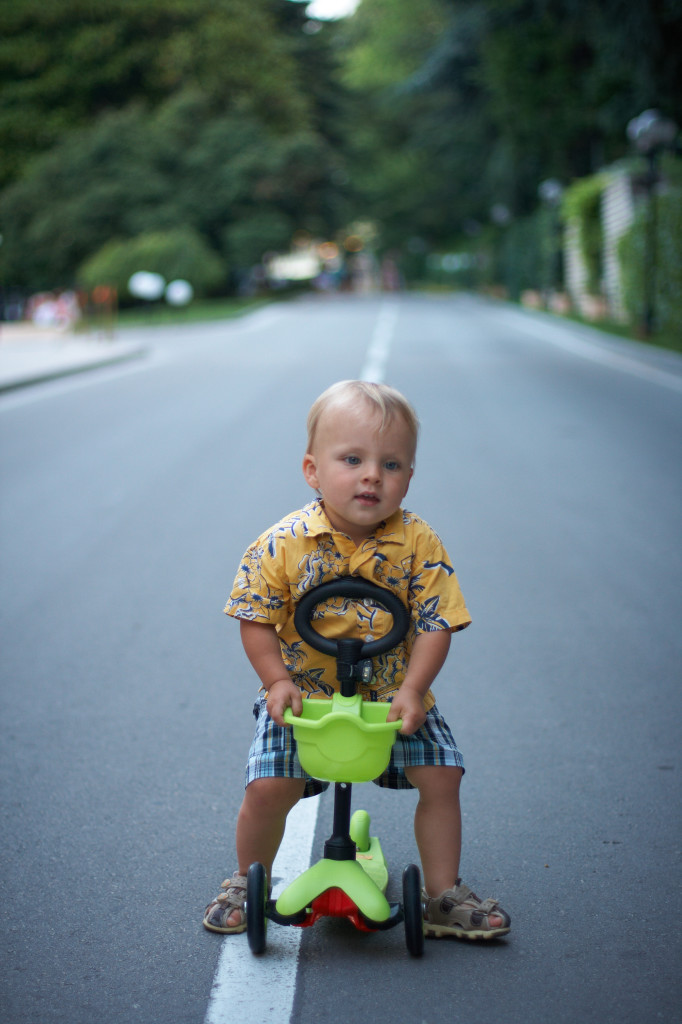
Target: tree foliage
[661,269]
[390,40]
[135,172]
[180,253]
[509,93]
[64,65]
[246,122]
[163,115]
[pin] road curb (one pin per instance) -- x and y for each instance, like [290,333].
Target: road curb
[26,378]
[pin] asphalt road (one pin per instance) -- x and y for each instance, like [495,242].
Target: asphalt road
[550,465]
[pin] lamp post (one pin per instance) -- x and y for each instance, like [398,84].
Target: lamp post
[650,133]
[550,192]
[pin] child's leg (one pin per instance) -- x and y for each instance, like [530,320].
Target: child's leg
[438,829]
[260,827]
[262,818]
[438,824]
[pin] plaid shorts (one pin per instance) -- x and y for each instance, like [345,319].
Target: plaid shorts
[273,752]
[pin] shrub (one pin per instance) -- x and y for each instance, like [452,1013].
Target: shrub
[180,253]
[582,204]
[666,265]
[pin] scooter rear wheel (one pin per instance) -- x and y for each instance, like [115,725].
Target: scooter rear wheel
[256,922]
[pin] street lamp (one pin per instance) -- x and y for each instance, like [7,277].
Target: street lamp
[650,133]
[550,192]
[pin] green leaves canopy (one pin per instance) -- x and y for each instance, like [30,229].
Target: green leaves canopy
[491,97]
[241,123]
[154,116]
[64,65]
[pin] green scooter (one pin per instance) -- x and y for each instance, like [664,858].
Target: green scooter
[343,740]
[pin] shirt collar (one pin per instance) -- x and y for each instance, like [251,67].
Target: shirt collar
[390,531]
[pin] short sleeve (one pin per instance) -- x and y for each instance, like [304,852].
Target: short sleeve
[435,596]
[259,592]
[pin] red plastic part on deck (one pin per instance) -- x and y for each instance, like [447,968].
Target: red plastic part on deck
[335,903]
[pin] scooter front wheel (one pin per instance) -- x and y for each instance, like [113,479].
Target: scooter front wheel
[256,894]
[412,910]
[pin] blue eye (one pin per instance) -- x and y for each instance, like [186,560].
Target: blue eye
[352,460]
[392,465]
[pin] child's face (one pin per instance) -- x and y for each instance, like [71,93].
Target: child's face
[362,472]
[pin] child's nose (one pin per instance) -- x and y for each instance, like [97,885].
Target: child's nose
[372,471]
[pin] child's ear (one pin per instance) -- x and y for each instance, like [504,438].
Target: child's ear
[310,471]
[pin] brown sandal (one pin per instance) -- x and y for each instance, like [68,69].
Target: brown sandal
[460,913]
[233,897]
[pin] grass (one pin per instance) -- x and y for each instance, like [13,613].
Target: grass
[660,339]
[159,314]
[669,338]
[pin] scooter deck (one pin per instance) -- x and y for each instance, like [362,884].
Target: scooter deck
[364,879]
[349,876]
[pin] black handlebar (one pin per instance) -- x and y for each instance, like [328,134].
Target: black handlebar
[357,588]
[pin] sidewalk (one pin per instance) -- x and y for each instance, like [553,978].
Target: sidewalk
[30,354]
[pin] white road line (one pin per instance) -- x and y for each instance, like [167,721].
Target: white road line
[376,360]
[260,989]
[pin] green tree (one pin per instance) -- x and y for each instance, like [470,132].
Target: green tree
[563,78]
[505,94]
[138,171]
[64,65]
[418,152]
[219,135]
[391,40]
[245,121]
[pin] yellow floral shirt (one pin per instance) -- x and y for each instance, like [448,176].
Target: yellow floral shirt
[303,550]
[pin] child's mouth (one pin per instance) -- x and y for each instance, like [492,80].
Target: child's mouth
[367,499]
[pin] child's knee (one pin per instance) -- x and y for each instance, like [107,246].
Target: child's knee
[436,781]
[273,794]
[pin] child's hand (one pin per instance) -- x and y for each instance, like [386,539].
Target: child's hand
[283,694]
[408,705]
[428,655]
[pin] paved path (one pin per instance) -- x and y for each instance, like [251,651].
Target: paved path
[30,354]
[549,462]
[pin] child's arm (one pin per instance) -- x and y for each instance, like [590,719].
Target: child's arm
[262,648]
[428,657]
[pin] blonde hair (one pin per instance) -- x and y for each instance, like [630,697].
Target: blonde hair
[383,398]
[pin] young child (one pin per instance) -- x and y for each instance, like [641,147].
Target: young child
[362,439]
